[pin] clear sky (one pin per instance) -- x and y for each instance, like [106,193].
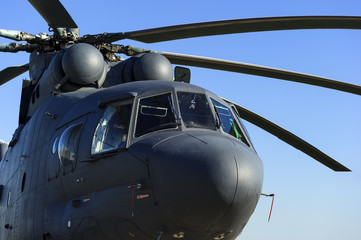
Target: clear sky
[312,202]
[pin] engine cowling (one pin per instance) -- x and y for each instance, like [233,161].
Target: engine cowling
[152,66]
[145,66]
[84,64]
[80,66]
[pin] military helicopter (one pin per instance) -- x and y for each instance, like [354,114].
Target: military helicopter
[138,184]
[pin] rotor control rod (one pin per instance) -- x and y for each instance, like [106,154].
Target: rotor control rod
[14,47]
[127,50]
[16,35]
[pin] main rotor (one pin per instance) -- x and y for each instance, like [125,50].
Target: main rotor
[66,33]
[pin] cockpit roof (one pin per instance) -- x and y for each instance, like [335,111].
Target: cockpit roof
[140,88]
[84,101]
[151,87]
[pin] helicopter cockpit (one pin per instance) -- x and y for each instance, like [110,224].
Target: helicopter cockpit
[187,111]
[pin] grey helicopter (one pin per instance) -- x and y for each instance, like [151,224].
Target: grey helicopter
[109,148]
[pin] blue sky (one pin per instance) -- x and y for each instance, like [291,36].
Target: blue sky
[312,202]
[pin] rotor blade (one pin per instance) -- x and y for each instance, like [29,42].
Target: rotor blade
[236,26]
[257,70]
[54,13]
[12,72]
[289,138]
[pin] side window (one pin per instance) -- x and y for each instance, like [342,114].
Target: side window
[68,144]
[228,121]
[112,130]
[235,111]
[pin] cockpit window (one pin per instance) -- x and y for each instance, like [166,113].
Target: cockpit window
[228,121]
[195,110]
[155,113]
[112,130]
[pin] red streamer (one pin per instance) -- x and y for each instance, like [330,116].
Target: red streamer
[270,213]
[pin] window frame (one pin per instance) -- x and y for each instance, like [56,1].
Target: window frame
[207,97]
[136,111]
[76,145]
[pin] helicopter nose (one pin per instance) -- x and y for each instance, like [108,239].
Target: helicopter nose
[203,180]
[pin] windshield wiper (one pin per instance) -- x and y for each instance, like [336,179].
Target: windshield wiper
[218,120]
[178,119]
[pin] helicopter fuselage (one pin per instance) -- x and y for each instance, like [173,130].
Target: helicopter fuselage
[139,160]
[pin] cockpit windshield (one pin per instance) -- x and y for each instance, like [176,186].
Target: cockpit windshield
[195,110]
[228,121]
[155,113]
[158,112]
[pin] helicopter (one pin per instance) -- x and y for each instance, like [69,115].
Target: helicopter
[102,105]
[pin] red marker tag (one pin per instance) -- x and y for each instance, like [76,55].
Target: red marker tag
[142,196]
